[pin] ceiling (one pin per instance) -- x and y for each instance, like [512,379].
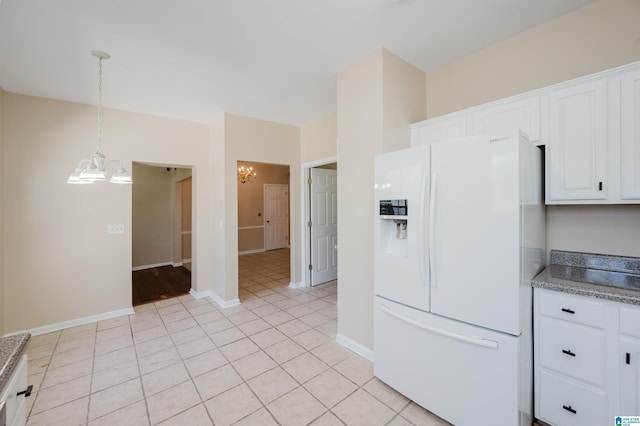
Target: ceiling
[276,60]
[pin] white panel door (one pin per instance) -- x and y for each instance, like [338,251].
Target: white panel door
[630,143]
[324,225]
[475,231]
[276,220]
[577,149]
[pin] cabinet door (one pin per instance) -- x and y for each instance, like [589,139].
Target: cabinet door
[630,142]
[444,128]
[523,114]
[629,361]
[577,149]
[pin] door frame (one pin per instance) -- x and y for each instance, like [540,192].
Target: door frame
[305,214]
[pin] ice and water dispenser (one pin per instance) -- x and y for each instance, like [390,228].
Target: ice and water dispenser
[393,226]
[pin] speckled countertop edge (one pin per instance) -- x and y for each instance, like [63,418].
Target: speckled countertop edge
[576,259]
[11,350]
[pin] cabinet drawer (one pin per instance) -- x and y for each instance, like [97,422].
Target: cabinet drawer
[578,309]
[630,321]
[573,350]
[567,402]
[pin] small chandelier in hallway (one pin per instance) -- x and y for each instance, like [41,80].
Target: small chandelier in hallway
[246,174]
[94,170]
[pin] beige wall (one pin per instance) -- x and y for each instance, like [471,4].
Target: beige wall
[253,140]
[318,139]
[62,264]
[3,309]
[152,227]
[602,35]
[251,202]
[377,98]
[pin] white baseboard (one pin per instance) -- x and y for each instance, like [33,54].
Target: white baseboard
[240,253]
[299,284]
[155,265]
[355,347]
[176,264]
[217,299]
[75,322]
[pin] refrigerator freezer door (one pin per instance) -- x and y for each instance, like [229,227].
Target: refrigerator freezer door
[401,249]
[475,220]
[465,374]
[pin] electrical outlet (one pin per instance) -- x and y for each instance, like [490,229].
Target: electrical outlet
[115,229]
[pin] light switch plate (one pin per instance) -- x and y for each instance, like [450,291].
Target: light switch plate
[115,229]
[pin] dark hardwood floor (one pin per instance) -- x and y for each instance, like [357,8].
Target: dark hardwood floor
[164,282]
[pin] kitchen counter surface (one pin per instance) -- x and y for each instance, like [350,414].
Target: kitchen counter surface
[615,278]
[11,350]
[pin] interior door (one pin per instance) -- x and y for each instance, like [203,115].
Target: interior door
[276,220]
[324,225]
[475,232]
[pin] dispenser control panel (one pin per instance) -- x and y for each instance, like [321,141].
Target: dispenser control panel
[393,208]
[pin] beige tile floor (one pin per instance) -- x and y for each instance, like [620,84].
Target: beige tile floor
[272,360]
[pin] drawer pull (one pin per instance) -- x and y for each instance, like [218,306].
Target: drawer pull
[569,409]
[568,352]
[26,392]
[569,311]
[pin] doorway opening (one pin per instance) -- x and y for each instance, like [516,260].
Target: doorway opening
[320,236]
[161,232]
[263,224]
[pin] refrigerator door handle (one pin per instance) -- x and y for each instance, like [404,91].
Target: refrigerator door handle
[432,231]
[490,344]
[422,261]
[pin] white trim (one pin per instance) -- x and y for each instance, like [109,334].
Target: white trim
[177,264]
[185,232]
[299,284]
[75,322]
[251,251]
[185,261]
[354,346]
[155,265]
[217,299]
[242,228]
[305,214]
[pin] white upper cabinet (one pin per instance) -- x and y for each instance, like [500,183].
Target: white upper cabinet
[505,114]
[590,127]
[521,114]
[576,153]
[444,128]
[630,137]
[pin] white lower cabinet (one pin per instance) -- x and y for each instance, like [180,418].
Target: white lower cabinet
[629,377]
[586,359]
[13,395]
[564,401]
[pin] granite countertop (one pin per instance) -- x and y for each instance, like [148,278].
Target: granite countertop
[615,278]
[11,350]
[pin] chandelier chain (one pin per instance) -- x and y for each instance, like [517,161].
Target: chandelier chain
[99,104]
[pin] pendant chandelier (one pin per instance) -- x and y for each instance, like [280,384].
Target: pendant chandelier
[246,174]
[94,170]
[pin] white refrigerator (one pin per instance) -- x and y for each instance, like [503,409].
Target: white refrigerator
[459,234]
